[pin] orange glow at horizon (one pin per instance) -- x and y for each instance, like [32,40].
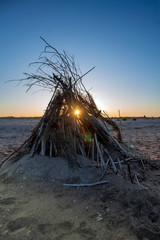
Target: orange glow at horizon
[29,110]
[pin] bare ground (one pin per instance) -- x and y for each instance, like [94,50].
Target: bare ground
[42,208]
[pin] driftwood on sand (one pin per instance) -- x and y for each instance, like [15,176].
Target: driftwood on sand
[85,184]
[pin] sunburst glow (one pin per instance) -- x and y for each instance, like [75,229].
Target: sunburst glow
[77,112]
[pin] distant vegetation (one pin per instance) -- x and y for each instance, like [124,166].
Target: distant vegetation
[11,117]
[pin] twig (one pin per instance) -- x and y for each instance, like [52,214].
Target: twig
[98,150]
[111,160]
[105,169]
[43,146]
[120,165]
[139,182]
[50,153]
[85,184]
[120,122]
[92,154]
[129,143]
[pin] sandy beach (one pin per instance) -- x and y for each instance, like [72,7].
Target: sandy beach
[31,208]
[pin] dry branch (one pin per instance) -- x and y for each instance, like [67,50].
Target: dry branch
[86,184]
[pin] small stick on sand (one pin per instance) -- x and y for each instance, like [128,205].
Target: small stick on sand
[139,182]
[85,184]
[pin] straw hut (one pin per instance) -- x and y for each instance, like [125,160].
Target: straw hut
[72,124]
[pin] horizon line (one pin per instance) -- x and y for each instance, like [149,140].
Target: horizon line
[144,116]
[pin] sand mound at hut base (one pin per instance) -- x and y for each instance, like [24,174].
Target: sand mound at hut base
[120,202]
[51,169]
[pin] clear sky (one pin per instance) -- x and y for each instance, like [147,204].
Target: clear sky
[121,38]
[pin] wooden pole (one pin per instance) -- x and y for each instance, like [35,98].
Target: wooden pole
[43,147]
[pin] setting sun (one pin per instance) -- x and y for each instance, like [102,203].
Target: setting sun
[77,112]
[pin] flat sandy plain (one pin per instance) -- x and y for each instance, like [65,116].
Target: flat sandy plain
[115,211]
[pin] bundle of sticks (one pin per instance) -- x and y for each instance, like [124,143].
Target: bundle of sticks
[72,124]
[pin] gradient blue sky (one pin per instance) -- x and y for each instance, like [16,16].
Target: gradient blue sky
[121,38]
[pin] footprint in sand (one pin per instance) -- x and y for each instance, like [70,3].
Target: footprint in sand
[65,231]
[19,223]
[50,228]
[7,201]
[45,228]
[78,234]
